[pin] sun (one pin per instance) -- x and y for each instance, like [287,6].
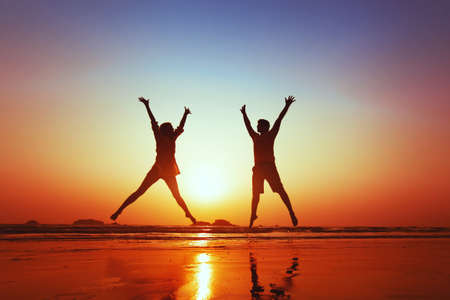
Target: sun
[207,182]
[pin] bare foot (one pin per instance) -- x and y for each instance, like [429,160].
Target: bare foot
[252,219]
[193,220]
[114,216]
[294,220]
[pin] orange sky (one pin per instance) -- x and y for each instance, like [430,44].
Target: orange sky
[367,142]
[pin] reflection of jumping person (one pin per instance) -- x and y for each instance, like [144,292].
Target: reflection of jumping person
[165,166]
[265,160]
[276,290]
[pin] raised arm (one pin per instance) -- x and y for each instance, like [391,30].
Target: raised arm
[180,127]
[250,130]
[155,126]
[276,126]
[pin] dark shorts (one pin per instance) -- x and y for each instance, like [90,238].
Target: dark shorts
[268,172]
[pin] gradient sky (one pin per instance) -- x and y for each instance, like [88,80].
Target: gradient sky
[367,142]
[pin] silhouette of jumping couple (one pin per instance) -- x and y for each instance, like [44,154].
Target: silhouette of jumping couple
[165,166]
[265,168]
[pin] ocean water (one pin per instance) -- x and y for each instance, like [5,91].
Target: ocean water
[14,232]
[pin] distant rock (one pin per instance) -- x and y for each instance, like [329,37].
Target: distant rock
[85,222]
[201,223]
[222,222]
[32,223]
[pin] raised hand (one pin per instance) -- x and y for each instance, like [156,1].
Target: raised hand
[187,111]
[143,100]
[243,109]
[289,100]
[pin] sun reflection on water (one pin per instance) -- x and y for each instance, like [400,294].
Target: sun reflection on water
[202,242]
[203,277]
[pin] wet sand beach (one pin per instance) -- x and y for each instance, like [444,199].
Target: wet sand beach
[205,265]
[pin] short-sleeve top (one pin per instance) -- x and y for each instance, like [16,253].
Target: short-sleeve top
[263,147]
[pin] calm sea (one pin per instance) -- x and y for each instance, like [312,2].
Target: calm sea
[12,232]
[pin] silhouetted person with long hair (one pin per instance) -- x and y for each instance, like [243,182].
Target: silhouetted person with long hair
[165,167]
[265,168]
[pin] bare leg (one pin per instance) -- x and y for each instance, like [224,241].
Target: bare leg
[150,179]
[173,186]
[255,202]
[284,196]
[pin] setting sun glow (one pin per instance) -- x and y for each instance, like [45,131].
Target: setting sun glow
[366,142]
[207,182]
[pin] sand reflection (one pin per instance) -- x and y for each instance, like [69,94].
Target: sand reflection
[203,277]
[198,280]
[277,291]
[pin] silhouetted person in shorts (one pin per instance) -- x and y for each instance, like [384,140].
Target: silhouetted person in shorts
[265,168]
[165,167]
